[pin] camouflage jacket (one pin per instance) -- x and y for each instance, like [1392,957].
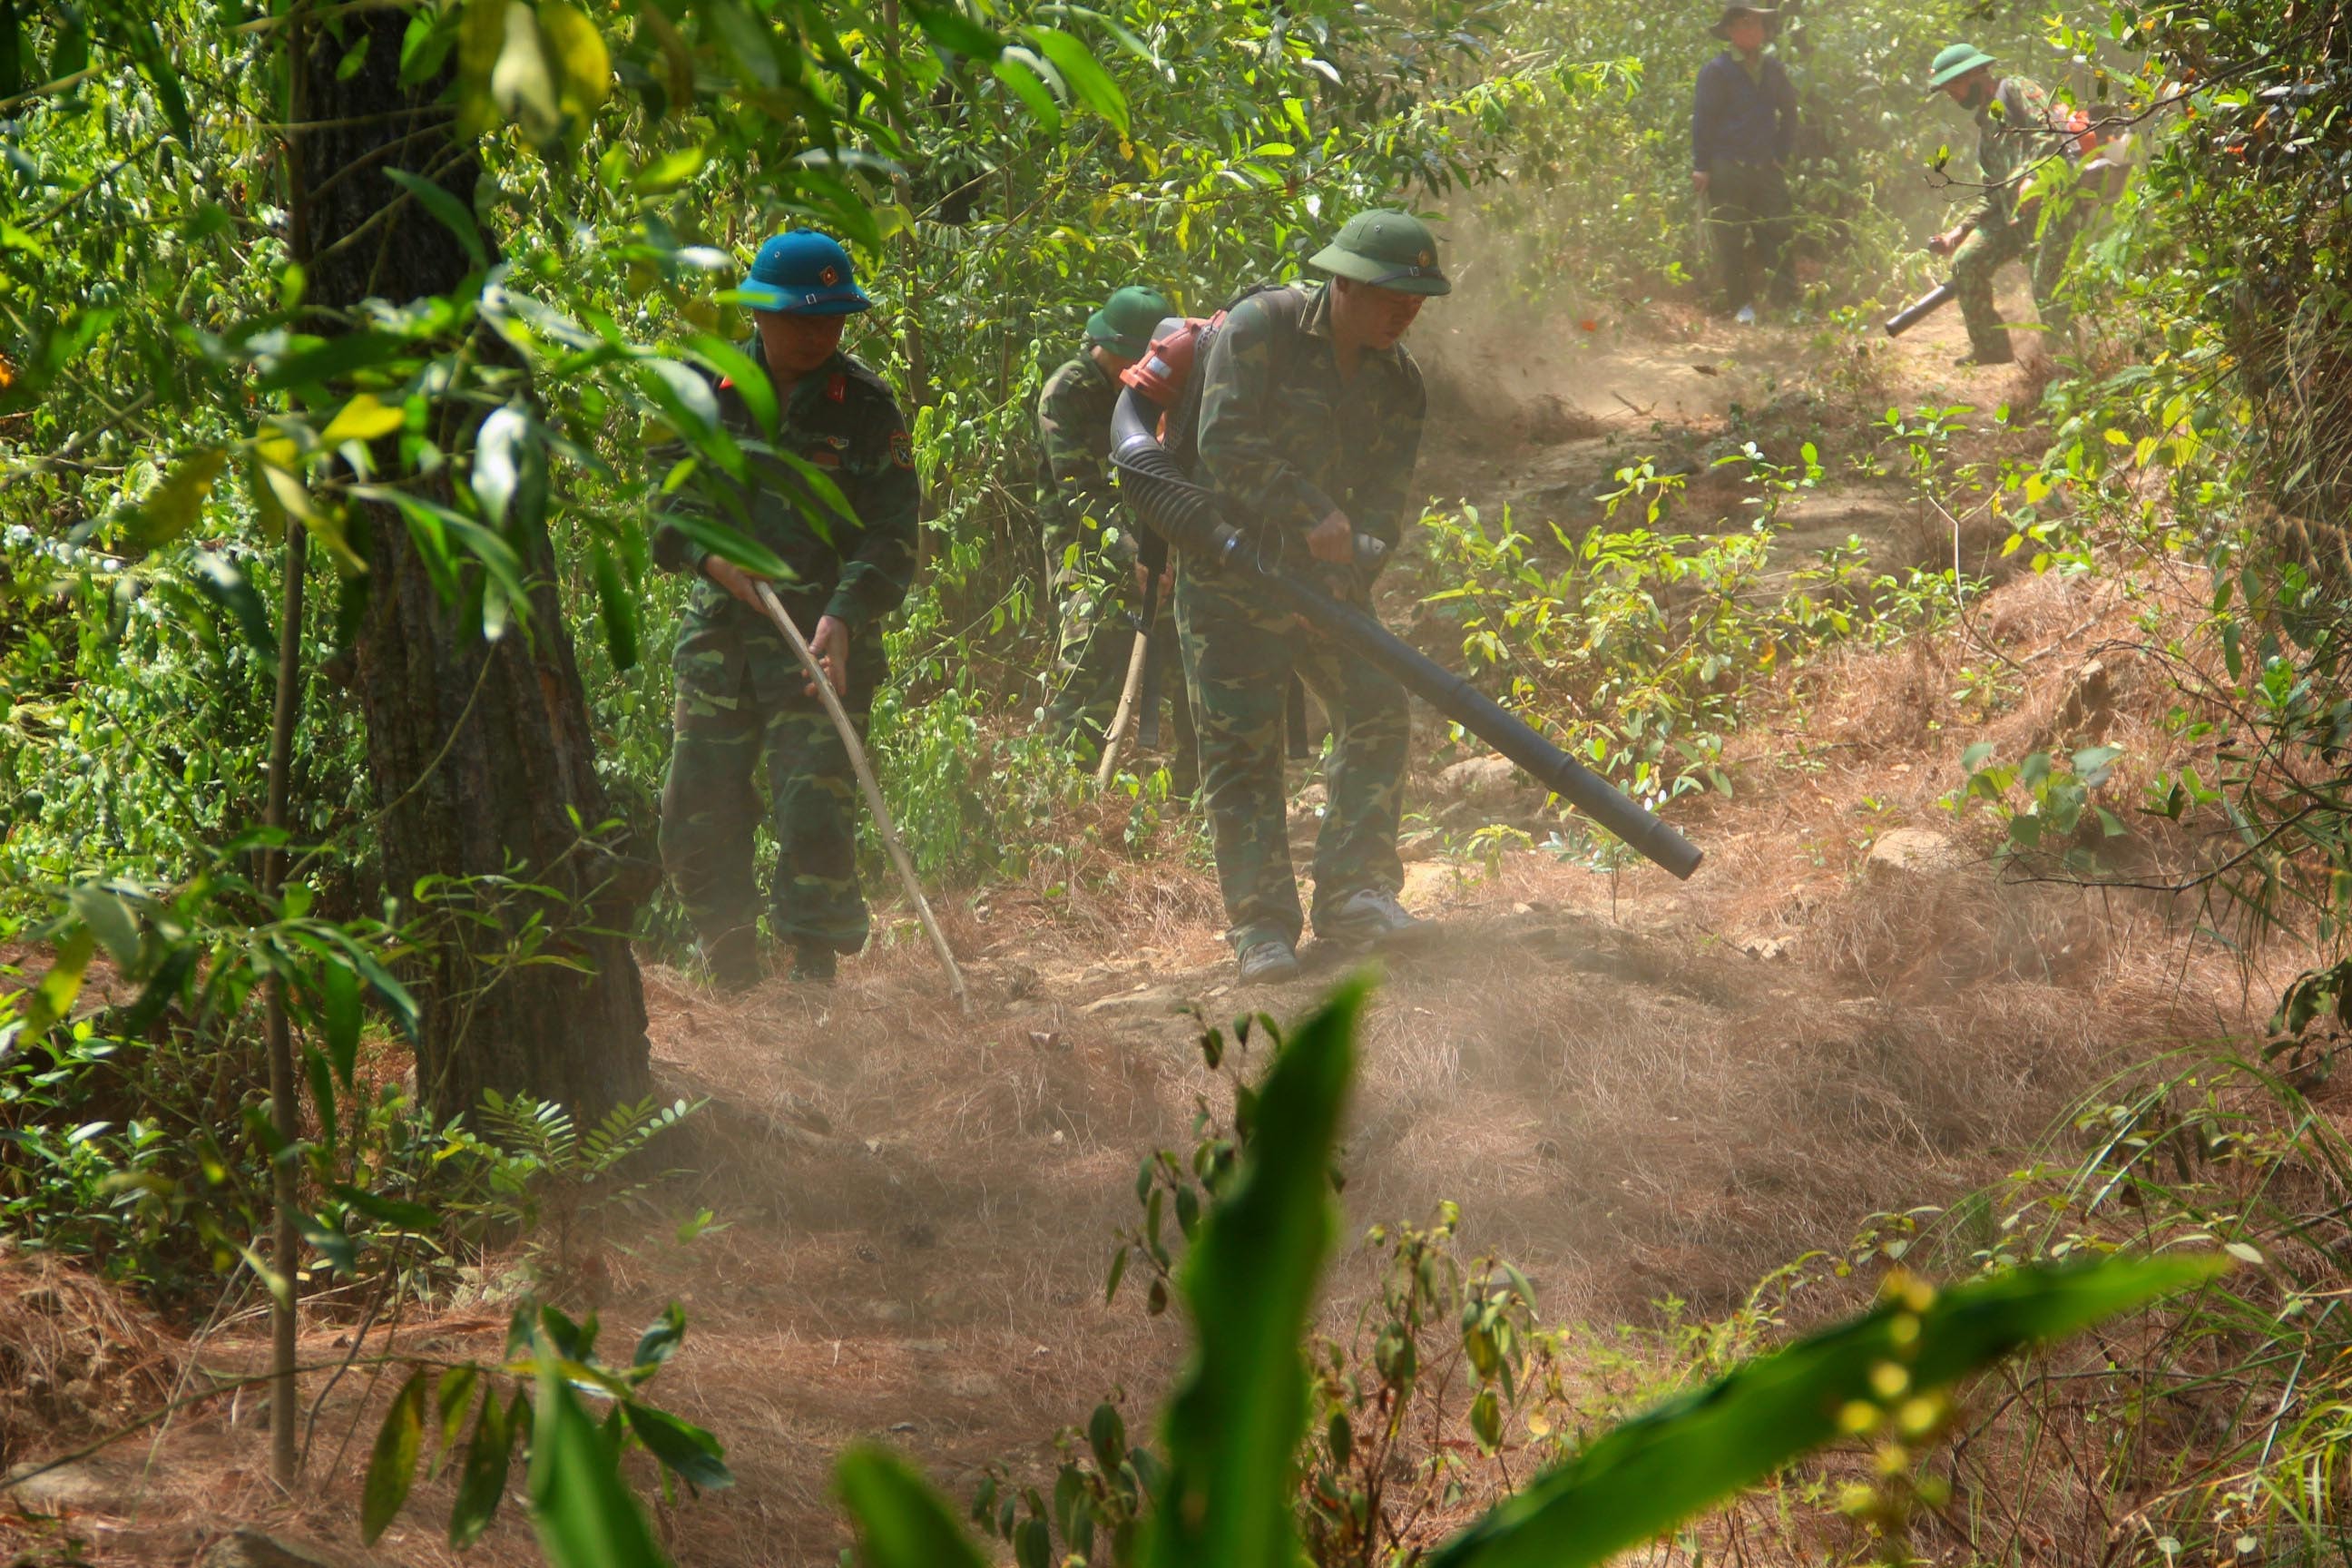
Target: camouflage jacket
[2012,137]
[1077,505]
[842,420]
[1284,441]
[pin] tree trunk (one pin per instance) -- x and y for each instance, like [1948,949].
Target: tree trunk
[482,752]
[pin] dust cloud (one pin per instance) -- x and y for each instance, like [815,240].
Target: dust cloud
[1636,1089]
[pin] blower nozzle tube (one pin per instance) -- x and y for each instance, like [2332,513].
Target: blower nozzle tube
[1187,517]
[1919,310]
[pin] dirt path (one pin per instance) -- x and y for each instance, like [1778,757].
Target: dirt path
[1636,1089]
[1538,418]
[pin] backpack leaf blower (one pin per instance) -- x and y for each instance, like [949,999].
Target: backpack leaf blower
[1187,515]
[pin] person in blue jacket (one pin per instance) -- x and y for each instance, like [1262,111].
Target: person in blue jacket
[1743,129]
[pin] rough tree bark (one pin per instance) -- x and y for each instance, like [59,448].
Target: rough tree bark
[481,752]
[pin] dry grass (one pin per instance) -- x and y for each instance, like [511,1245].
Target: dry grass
[77,1359]
[1635,1089]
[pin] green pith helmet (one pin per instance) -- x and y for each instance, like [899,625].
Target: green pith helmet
[1954,62]
[1387,249]
[1128,319]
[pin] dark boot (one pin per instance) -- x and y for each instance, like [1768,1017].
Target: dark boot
[813,964]
[1266,960]
[733,959]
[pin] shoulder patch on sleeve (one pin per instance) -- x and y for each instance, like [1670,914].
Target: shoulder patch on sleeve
[837,389]
[902,448]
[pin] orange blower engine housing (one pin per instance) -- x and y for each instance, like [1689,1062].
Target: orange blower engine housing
[2084,137]
[1167,364]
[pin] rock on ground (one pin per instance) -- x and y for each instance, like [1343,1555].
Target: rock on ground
[1486,779]
[1911,852]
[245,1547]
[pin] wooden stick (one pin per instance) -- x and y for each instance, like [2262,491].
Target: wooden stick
[865,771]
[1127,710]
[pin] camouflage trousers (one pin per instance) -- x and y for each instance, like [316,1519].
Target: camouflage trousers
[1983,254]
[1094,639]
[1240,651]
[739,701]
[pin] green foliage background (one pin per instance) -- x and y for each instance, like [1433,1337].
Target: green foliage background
[145,261]
[998,168]
[993,202]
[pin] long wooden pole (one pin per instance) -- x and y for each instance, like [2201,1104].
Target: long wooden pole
[1136,662]
[865,782]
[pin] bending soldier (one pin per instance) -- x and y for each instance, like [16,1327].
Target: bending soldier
[2014,136]
[741,693]
[1091,564]
[1309,425]
[1743,129]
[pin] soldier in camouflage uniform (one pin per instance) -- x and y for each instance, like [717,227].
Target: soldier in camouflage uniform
[1309,425]
[1091,565]
[2013,142]
[741,693]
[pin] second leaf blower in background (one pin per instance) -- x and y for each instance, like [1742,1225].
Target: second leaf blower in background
[2019,133]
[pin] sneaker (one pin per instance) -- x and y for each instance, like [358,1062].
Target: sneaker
[813,962]
[1746,317]
[1368,917]
[733,959]
[1266,960]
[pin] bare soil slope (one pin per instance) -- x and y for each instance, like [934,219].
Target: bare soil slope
[1636,1089]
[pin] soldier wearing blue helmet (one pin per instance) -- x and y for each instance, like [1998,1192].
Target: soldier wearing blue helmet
[741,693]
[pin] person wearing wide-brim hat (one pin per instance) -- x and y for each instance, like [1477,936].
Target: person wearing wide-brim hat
[1769,14]
[1743,131]
[1092,572]
[1309,426]
[741,695]
[2014,142]
[1953,62]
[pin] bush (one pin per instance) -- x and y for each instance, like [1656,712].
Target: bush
[2224,1421]
[1641,647]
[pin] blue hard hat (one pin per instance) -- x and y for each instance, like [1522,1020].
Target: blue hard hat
[803,273]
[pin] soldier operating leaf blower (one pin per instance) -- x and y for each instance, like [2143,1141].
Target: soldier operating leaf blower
[1188,517]
[2041,132]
